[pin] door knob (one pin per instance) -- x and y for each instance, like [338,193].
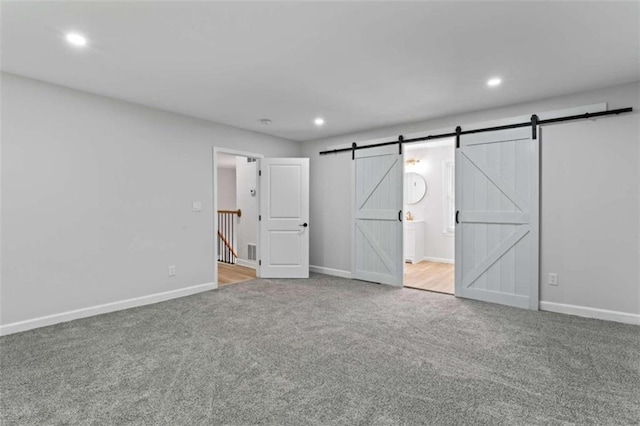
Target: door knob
[304,225]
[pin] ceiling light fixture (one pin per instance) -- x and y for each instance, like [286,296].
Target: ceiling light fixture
[265,121]
[493,82]
[76,39]
[319,121]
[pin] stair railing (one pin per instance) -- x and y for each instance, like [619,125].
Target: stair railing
[226,232]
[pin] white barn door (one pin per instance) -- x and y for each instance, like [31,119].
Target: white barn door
[284,218]
[377,250]
[497,203]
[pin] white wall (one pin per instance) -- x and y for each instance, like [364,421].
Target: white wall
[331,193]
[227,189]
[97,198]
[437,244]
[247,224]
[589,228]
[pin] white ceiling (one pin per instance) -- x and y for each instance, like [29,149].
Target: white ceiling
[359,65]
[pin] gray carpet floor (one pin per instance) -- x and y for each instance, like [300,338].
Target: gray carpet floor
[322,351]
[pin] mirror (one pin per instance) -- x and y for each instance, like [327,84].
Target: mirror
[414,187]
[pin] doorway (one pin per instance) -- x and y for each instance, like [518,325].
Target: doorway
[265,229]
[429,216]
[236,208]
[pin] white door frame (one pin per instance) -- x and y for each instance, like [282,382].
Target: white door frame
[216,151]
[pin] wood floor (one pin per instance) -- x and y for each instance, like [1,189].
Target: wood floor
[430,276]
[231,274]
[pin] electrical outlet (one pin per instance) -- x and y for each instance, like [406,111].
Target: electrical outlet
[553,279]
[172,270]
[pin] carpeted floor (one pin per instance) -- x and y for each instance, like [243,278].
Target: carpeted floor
[318,352]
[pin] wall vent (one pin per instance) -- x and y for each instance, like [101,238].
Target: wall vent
[251,160]
[251,251]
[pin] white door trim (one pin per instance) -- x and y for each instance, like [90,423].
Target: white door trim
[216,151]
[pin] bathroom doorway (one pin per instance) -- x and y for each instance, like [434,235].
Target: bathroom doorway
[429,216]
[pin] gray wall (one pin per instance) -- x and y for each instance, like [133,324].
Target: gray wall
[97,198]
[589,213]
[227,189]
[567,148]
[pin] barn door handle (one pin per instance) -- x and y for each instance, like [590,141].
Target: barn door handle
[457,215]
[400,215]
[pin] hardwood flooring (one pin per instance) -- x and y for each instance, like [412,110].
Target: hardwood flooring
[430,276]
[231,274]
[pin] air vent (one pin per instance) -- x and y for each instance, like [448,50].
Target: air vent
[251,160]
[251,251]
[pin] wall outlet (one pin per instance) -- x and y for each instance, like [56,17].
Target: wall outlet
[553,279]
[172,270]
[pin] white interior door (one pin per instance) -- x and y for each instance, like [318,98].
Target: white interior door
[377,251]
[284,218]
[497,181]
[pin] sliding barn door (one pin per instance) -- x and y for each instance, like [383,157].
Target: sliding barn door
[284,218]
[497,217]
[378,215]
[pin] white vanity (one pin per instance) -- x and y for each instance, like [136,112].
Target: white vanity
[414,241]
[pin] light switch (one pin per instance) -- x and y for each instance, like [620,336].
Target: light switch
[197,206]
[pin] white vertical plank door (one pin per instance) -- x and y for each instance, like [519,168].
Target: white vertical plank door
[284,218]
[497,203]
[377,215]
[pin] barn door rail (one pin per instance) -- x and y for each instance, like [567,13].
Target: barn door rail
[226,233]
[534,123]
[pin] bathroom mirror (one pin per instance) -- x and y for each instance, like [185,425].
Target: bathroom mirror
[414,187]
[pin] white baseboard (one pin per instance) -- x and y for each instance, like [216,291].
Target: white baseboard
[438,260]
[246,263]
[583,311]
[330,271]
[30,324]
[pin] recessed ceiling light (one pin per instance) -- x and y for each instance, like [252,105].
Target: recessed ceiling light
[493,82]
[319,121]
[265,121]
[76,39]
